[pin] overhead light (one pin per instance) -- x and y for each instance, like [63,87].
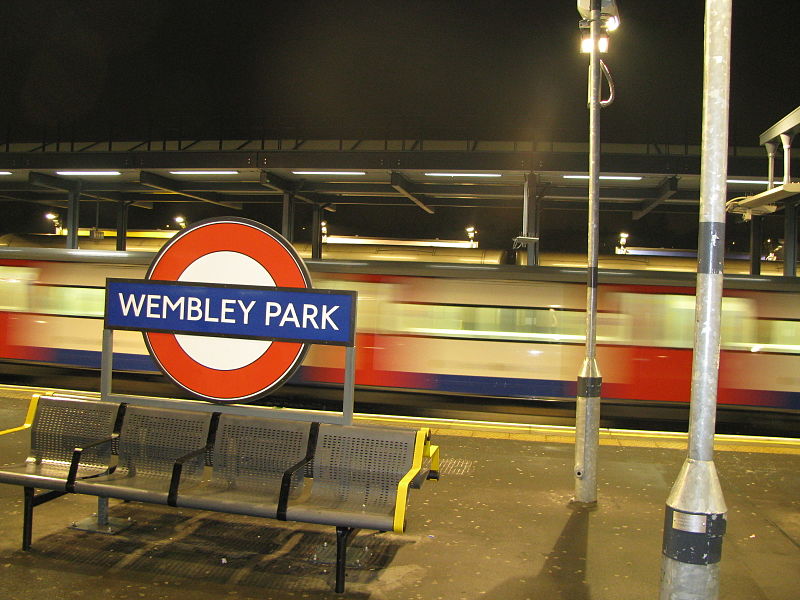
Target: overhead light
[206,172]
[752,181]
[602,44]
[89,173]
[607,177]
[463,174]
[6,173]
[329,172]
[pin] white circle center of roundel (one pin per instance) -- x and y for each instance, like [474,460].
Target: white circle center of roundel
[233,268]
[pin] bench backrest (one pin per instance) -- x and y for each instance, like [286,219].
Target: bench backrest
[253,452]
[361,466]
[152,439]
[63,424]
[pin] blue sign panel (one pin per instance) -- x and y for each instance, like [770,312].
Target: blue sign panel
[289,314]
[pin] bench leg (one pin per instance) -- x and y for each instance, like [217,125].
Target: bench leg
[31,500]
[27,518]
[343,535]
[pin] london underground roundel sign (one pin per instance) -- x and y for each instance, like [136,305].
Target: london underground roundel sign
[228,252]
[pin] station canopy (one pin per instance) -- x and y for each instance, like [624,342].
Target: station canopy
[426,174]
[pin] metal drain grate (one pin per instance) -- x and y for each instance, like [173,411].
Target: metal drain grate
[457,466]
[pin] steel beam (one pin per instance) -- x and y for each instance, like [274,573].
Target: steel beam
[73,216]
[790,240]
[403,186]
[756,241]
[789,124]
[287,220]
[666,190]
[122,225]
[279,184]
[159,182]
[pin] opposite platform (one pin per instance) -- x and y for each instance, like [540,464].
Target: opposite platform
[498,525]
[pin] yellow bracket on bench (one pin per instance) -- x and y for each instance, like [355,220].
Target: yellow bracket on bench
[28,417]
[402,487]
[431,451]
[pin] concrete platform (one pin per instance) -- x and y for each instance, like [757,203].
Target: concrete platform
[497,526]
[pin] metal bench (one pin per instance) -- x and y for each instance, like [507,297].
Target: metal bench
[57,426]
[351,477]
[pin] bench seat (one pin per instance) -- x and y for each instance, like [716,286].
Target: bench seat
[357,472]
[149,444]
[249,458]
[56,426]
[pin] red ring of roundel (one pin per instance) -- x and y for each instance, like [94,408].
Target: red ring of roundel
[269,249]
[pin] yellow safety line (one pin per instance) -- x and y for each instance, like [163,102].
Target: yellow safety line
[566,434]
[553,433]
[28,417]
[402,486]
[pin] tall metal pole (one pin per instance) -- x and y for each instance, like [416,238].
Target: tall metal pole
[695,512]
[587,418]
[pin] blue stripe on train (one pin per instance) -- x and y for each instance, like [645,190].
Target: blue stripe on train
[509,388]
[456,384]
[91,359]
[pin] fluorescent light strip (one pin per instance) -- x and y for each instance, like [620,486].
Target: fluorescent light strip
[753,181]
[89,173]
[329,172]
[209,172]
[6,173]
[463,175]
[607,177]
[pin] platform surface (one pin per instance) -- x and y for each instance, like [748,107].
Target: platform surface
[497,526]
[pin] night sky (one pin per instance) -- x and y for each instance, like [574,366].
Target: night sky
[436,70]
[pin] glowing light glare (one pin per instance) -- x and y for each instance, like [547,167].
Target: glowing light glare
[205,172]
[6,173]
[602,44]
[51,216]
[607,177]
[752,181]
[90,173]
[329,172]
[612,23]
[463,175]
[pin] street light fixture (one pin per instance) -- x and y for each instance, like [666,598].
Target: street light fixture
[181,221]
[471,231]
[598,17]
[56,220]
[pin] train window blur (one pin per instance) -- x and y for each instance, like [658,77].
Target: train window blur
[667,320]
[777,336]
[14,286]
[505,323]
[72,301]
[375,303]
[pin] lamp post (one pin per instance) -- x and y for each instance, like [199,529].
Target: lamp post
[598,18]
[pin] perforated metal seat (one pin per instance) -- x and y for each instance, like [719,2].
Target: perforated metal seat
[356,472]
[249,459]
[59,426]
[150,442]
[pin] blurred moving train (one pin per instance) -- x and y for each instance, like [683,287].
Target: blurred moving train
[452,330]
